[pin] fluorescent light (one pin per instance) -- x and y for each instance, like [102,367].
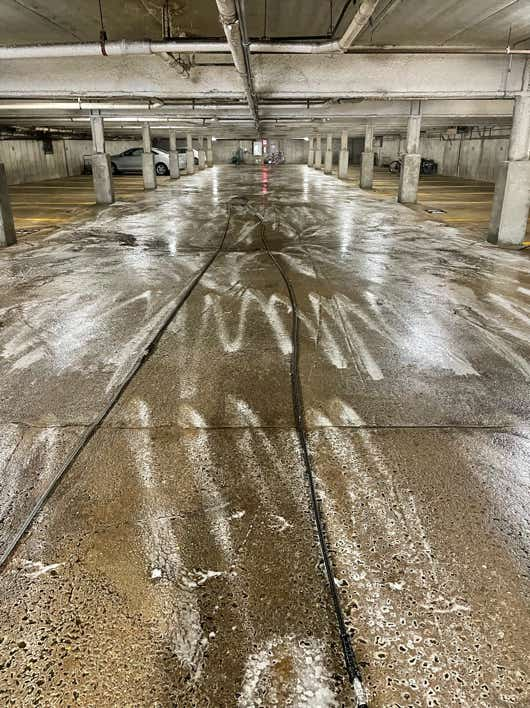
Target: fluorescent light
[9,105]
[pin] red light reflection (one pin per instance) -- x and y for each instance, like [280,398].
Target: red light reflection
[264,180]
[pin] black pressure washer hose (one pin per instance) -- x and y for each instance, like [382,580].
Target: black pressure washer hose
[352,665]
[95,425]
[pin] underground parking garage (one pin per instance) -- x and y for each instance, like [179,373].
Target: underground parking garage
[264,353]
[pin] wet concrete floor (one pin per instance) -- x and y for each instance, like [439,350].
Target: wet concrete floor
[39,207]
[456,201]
[176,564]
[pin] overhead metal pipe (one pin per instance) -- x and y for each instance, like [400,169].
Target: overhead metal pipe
[7,104]
[230,21]
[358,23]
[120,47]
[333,48]
[144,47]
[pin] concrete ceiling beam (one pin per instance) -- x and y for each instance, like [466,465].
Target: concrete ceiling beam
[276,77]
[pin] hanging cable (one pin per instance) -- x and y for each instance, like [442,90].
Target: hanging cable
[102,32]
[265,20]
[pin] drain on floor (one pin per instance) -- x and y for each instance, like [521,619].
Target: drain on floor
[436,211]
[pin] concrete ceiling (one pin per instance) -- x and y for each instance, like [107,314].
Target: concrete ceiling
[409,22]
[339,80]
[480,23]
[28,21]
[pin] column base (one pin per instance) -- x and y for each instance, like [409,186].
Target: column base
[511,204]
[8,235]
[148,170]
[409,179]
[209,158]
[174,167]
[366,177]
[343,164]
[102,178]
[311,158]
[318,160]
[328,163]
[202,160]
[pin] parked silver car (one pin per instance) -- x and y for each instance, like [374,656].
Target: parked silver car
[131,160]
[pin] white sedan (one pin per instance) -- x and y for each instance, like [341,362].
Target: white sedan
[131,160]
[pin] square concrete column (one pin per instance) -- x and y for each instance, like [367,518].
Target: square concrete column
[366,177]
[311,153]
[190,158]
[202,153]
[174,167]
[7,225]
[344,155]
[318,153]
[100,162]
[148,159]
[209,151]
[511,201]
[410,168]
[328,161]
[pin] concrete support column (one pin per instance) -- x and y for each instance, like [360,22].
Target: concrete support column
[511,201]
[174,167]
[7,225]
[190,159]
[148,159]
[328,162]
[366,178]
[411,163]
[311,153]
[318,153]
[344,155]
[98,134]
[209,151]
[101,167]
[202,154]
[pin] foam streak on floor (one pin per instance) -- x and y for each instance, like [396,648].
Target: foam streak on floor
[177,564]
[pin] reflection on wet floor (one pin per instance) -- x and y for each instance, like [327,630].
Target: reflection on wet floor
[177,563]
[47,204]
[450,200]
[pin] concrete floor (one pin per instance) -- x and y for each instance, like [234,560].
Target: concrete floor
[39,206]
[51,203]
[466,202]
[176,564]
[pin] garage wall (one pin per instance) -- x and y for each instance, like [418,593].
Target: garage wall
[25,160]
[295,151]
[223,150]
[477,158]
